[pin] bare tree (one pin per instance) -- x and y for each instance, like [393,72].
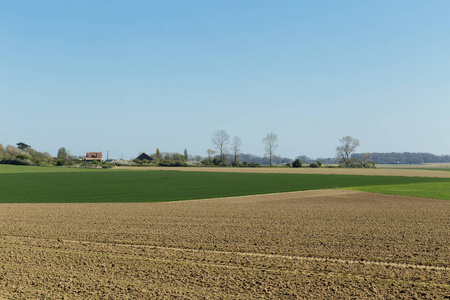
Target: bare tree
[236,145]
[348,145]
[210,154]
[220,140]
[270,143]
[366,157]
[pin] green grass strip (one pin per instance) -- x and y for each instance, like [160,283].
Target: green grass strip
[436,190]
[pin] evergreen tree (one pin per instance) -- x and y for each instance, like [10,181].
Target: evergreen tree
[158,155]
[62,154]
[22,146]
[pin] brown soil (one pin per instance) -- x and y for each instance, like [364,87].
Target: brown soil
[315,244]
[341,171]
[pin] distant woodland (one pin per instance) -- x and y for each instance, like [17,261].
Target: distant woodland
[378,158]
[405,158]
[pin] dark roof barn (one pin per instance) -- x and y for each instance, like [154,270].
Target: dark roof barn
[144,156]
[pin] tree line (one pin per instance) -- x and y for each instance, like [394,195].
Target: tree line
[405,158]
[223,143]
[226,152]
[23,154]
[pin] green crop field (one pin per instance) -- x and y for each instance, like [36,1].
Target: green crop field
[65,185]
[437,190]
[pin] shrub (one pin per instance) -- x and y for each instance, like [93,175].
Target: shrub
[207,162]
[217,161]
[319,163]
[16,161]
[249,165]
[22,157]
[288,165]
[60,162]
[297,163]
[313,165]
[87,164]
[169,163]
[369,164]
[137,161]
[253,165]
[123,162]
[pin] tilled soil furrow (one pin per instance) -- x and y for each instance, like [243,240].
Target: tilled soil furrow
[234,253]
[317,244]
[255,261]
[65,272]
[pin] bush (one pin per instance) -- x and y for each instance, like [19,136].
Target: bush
[319,163]
[137,161]
[169,163]
[207,162]
[253,165]
[23,157]
[288,165]
[313,165]
[16,161]
[249,165]
[60,162]
[297,163]
[107,165]
[123,162]
[369,164]
[87,164]
[217,161]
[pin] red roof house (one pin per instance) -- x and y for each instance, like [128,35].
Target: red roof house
[90,156]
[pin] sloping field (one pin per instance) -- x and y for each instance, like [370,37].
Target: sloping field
[410,172]
[314,244]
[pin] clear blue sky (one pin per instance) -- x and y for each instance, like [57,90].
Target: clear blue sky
[131,76]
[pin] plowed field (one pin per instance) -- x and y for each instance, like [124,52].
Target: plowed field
[316,244]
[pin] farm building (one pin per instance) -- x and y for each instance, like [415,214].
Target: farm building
[144,156]
[91,156]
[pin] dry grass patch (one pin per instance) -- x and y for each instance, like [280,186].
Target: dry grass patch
[330,171]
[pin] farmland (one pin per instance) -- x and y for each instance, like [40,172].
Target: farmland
[319,244]
[90,234]
[36,185]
